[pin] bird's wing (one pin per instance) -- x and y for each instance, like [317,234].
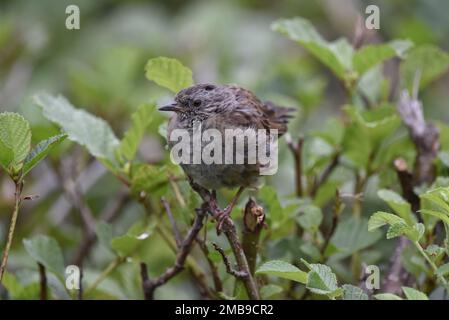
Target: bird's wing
[251,112]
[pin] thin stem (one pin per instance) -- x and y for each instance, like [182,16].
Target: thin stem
[176,232]
[431,263]
[110,268]
[43,282]
[17,197]
[296,149]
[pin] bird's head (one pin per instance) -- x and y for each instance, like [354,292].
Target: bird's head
[198,100]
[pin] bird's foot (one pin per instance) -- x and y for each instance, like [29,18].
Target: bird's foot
[224,214]
[221,218]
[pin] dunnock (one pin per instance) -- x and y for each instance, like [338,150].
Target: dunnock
[224,107]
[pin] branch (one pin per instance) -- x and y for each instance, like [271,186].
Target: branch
[218,285]
[229,269]
[296,149]
[326,174]
[336,210]
[75,196]
[80,285]
[172,221]
[425,136]
[109,214]
[210,203]
[42,282]
[15,214]
[150,285]
[406,180]
[253,221]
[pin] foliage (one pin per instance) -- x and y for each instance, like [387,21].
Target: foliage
[112,202]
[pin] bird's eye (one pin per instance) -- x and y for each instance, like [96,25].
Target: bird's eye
[196,103]
[209,87]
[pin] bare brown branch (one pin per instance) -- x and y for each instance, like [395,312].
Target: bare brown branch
[425,136]
[236,273]
[42,282]
[230,231]
[150,285]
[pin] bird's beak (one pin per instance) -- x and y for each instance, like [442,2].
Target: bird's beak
[171,107]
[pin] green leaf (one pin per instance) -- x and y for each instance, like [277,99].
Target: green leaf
[270,290]
[357,145]
[428,60]
[127,244]
[435,252]
[82,127]
[269,197]
[398,229]
[413,294]
[18,291]
[283,270]
[105,234]
[387,296]
[402,229]
[15,141]
[321,280]
[379,219]
[47,252]
[41,151]
[351,236]
[335,55]
[443,270]
[311,218]
[438,197]
[437,214]
[149,179]
[398,204]
[353,293]
[378,123]
[141,119]
[169,73]
[371,55]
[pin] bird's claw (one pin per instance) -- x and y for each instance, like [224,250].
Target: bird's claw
[221,218]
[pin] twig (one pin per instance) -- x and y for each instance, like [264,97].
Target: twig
[236,273]
[196,270]
[218,285]
[425,136]
[296,149]
[326,174]
[110,268]
[336,210]
[145,280]
[432,265]
[17,201]
[175,188]
[42,282]
[150,285]
[109,214]
[172,221]
[80,285]
[406,180]
[74,195]
[210,203]
[253,222]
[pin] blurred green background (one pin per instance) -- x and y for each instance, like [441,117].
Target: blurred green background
[101,68]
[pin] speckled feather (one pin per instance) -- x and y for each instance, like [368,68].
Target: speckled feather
[225,107]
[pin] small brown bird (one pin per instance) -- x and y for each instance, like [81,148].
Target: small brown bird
[224,107]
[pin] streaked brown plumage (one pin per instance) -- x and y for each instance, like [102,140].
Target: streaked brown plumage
[224,107]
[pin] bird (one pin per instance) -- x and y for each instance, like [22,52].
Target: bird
[223,107]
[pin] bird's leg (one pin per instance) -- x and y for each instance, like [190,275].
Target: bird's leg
[224,214]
